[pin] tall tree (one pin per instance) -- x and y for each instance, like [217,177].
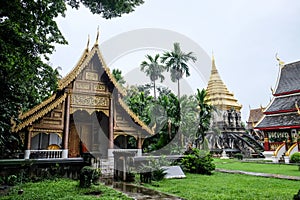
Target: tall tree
[176,62]
[28,32]
[108,8]
[118,76]
[153,69]
[205,115]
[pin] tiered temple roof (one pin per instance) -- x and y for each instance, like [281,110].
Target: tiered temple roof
[217,92]
[283,111]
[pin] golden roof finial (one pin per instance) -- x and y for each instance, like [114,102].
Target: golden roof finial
[281,63]
[213,64]
[272,90]
[261,108]
[88,43]
[96,43]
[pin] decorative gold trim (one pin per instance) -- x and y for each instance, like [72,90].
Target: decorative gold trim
[135,117]
[297,107]
[88,42]
[278,148]
[74,72]
[38,107]
[47,132]
[40,113]
[280,62]
[291,149]
[106,112]
[107,70]
[22,136]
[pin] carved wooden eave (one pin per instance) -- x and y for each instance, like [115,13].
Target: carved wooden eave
[135,117]
[107,70]
[64,82]
[40,112]
[37,107]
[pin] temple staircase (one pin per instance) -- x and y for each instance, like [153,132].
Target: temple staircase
[107,167]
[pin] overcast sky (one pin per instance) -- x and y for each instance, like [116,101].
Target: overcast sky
[244,36]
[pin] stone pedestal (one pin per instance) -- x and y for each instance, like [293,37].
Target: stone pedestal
[64,153]
[27,154]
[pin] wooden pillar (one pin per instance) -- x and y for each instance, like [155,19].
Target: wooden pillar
[28,146]
[67,122]
[28,143]
[66,126]
[266,142]
[125,141]
[111,124]
[139,142]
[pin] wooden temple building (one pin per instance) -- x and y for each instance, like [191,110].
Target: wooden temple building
[281,121]
[255,116]
[85,115]
[227,132]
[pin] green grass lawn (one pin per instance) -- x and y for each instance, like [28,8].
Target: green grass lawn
[228,186]
[63,189]
[233,164]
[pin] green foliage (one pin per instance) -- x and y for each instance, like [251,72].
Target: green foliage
[297,196]
[12,180]
[239,156]
[28,30]
[107,8]
[88,176]
[153,169]
[176,62]
[153,69]
[205,114]
[63,189]
[198,162]
[228,186]
[295,158]
[257,166]
[118,76]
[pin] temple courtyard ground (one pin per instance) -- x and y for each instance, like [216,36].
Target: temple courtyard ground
[241,180]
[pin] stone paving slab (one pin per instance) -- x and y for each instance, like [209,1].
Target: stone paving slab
[294,178]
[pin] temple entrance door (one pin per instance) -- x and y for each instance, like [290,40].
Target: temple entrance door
[74,142]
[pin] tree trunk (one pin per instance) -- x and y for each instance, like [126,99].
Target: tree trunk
[154,86]
[178,89]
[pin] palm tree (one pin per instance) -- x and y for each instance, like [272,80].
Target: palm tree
[205,115]
[176,62]
[153,69]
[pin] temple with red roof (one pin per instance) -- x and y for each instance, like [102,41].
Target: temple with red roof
[281,121]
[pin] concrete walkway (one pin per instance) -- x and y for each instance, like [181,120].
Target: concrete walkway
[294,178]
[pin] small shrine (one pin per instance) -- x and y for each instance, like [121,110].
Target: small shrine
[85,115]
[281,121]
[227,134]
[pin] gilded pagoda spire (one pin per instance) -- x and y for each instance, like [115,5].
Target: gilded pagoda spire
[217,92]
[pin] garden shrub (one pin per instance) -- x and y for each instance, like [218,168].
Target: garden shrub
[12,180]
[199,162]
[295,158]
[153,170]
[239,156]
[88,175]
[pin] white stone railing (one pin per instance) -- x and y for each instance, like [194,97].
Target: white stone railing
[138,151]
[46,154]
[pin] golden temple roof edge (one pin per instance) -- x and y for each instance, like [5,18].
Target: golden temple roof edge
[135,117]
[40,113]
